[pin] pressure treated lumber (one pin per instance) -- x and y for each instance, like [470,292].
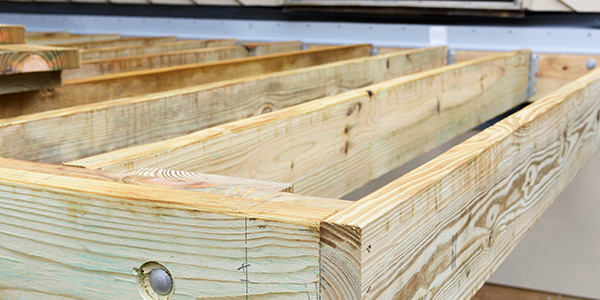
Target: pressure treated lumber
[12,34]
[96,89]
[90,68]
[18,83]
[442,229]
[330,146]
[129,41]
[84,232]
[15,59]
[42,34]
[58,40]
[257,49]
[123,51]
[213,180]
[68,134]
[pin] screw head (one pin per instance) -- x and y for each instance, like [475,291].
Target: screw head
[590,64]
[161,281]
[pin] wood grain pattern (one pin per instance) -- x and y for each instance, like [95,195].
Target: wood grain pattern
[15,59]
[76,38]
[68,134]
[128,41]
[210,179]
[330,146]
[12,34]
[42,34]
[123,51]
[90,68]
[61,229]
[257,49]
[18,83]
[441,230]
[114,86]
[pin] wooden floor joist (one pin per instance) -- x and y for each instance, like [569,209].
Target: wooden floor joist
[444,227]
[123,51]
[32,67]
[330,146]
[68,134]
[101,88]
[212,154]
[12,34]
[43,34]
[128,41]
[257,49]
[91,68]
[59,40]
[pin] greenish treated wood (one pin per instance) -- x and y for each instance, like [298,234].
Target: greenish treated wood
[442,229]
[128,41]
[114,86]
[330,146]
[17,83]
[83,238]
[12,34]
[91,68]
[123,51]
[16,59]
[76,38]
[68,134]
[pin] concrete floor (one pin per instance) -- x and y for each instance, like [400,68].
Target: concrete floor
[561,253]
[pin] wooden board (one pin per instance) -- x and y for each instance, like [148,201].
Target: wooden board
[90,68]
[443,228]
[18,83]
[16,59]
[59,40]
[96,89]
[42,34]
[198,179]
[129,41]
[75,228]
[257,49]
[12,34]
[331,146]
[116,52]
[68,134]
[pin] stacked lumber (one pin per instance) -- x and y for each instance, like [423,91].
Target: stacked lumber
[226,177]
[31,67]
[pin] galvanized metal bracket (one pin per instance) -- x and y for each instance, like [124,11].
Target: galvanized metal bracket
[451,57]
[534,67]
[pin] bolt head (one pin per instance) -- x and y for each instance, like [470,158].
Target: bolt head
[161,282]
[590,64]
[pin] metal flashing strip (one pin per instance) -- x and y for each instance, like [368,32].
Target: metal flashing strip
[500,38]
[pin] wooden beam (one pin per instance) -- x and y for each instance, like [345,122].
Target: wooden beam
[68,134]
[43,34]
[91,233]
[116,52]
[91,68]
[129,41]
[96,89]
[443,228]
[31,68]
[16,59]
[210,180]
[333,145]
[12,34]
[555,70]
[58,40]
[18,83]
[257,49]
